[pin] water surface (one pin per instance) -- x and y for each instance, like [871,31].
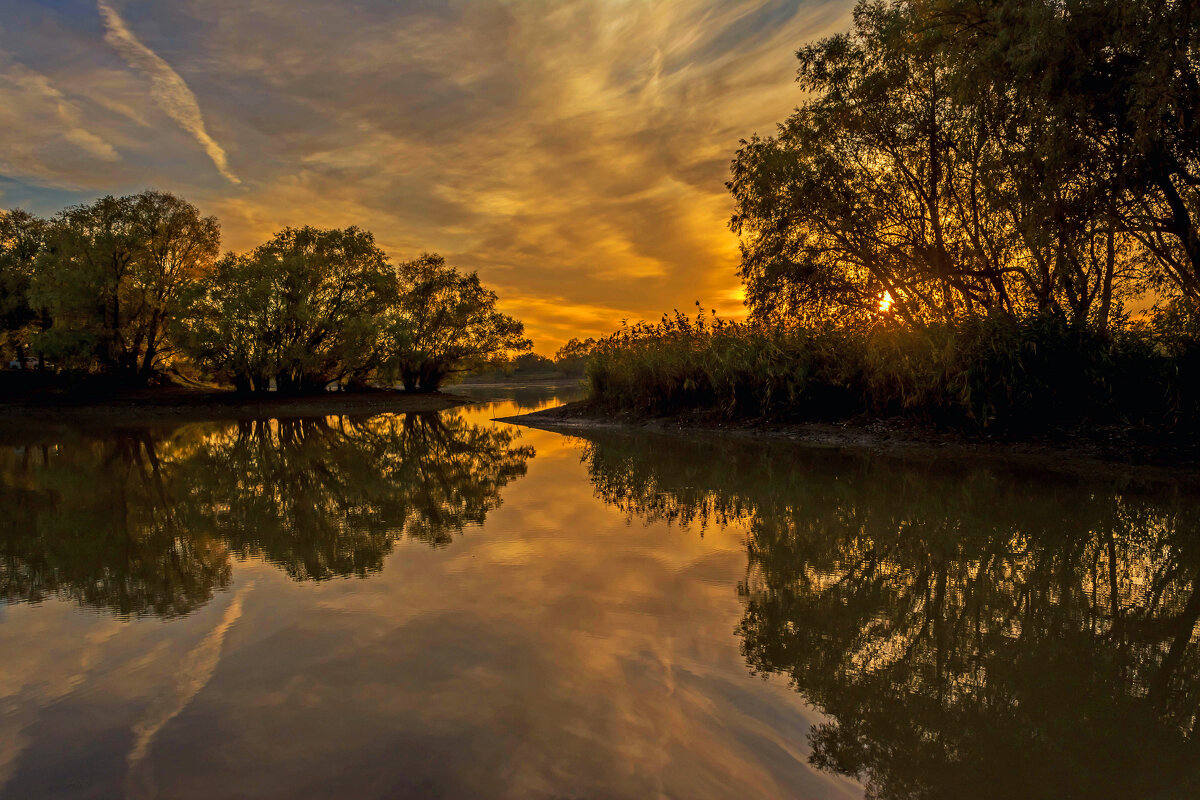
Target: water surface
[445,606]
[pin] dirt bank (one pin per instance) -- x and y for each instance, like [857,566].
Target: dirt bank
[1117,452]
[177,404]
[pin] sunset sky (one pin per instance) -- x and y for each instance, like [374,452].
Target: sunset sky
[573,152]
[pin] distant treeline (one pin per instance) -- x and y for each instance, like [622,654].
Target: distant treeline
[570,361]
[960,217]
[126,287]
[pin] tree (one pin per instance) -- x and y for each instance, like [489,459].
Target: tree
[868,188]
[965,158]
[176,248]
[22,236]
[230,325]
[572,358]
[112,276]
[445,321]
[303,309]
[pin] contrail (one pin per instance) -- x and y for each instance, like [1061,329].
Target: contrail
[166,87]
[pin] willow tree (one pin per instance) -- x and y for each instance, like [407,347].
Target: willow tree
[966,158]
[445,321]
[112,276]
[1108,93]
[304,309]
[868,188]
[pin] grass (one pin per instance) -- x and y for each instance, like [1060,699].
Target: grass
[987,374]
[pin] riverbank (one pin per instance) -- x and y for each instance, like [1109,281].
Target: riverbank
[1112,452]
[186,404]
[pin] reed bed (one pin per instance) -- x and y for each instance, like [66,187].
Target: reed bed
[993,374]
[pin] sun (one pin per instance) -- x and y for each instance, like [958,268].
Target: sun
[885,303]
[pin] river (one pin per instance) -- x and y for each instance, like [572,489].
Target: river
[442,605]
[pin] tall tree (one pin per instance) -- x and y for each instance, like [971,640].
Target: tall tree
[112,276]
[303,309]
[445,321]
[1019,156]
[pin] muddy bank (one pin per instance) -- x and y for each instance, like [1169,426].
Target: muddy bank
[1111,453]
[175,404]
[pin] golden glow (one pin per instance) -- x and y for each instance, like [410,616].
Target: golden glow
[885,303]
[577,159]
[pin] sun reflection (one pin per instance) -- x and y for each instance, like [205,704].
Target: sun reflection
[885,303]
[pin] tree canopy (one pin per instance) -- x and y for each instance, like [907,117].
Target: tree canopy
[445,321]
[111,277]
[956,158]
[129,286]
[303,309]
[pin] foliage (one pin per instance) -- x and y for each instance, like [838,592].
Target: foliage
[111,277]
[22,237]
[445,321]
[303,309]
[970,159]
[128,286]
[572,358]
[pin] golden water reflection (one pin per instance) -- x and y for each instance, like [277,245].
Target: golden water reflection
[971,631]
[416,606]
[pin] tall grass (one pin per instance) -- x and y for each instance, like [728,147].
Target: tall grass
[995,374]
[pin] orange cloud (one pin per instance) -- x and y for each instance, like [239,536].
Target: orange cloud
[573,152]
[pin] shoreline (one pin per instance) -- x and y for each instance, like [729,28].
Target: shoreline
[195,405]
[1074,455]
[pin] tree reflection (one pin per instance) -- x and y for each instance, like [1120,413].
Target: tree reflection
[93,521]
[146,522]
[329,497]
[969,633]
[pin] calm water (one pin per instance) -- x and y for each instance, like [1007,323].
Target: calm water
[444,606]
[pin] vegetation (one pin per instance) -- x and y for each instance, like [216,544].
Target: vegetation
[574,356]
[444,321]
[995,373]
[569,362]
[304,309]
[956,222]
[127,288]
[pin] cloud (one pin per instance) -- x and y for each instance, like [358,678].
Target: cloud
[43,129]
[167,88]
[573,150]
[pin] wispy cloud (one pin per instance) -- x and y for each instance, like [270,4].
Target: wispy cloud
[574,152]
[43,136]
[167,88]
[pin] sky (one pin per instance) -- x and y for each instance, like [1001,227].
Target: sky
[574,152]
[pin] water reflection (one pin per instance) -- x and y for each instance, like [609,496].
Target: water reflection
[147,522]
[970,632]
